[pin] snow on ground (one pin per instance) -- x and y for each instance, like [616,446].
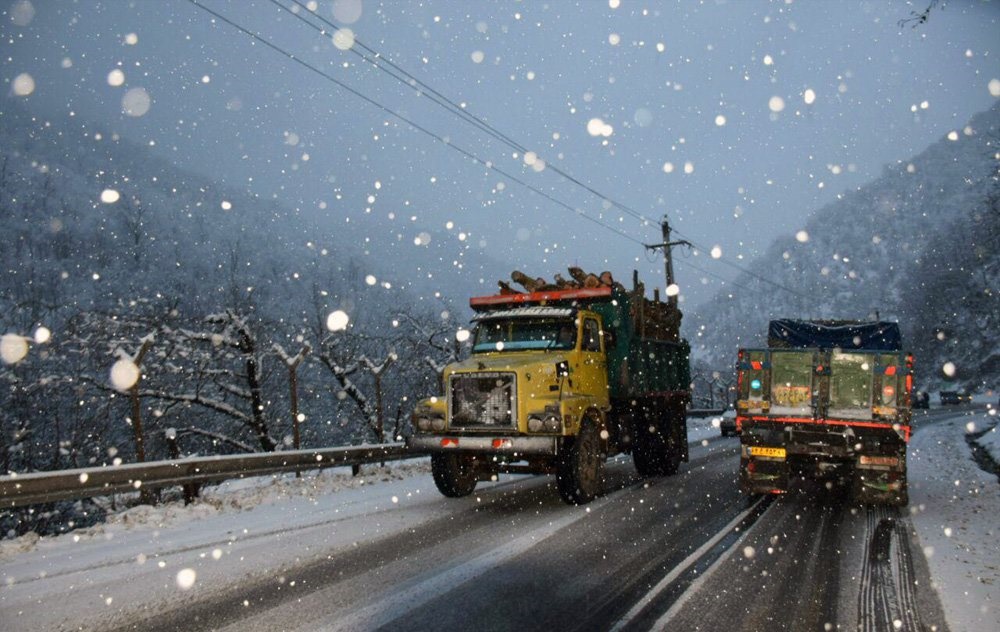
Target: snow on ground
[991,440]
[241,495]
[246,529]
[955,508]
[166,556]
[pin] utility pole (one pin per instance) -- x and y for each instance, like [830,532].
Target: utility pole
[668,261]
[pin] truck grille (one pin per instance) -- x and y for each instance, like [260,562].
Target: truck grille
[482,400]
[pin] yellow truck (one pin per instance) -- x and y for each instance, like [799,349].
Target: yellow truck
[558,381]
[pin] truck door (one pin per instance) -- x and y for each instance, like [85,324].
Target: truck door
[591,373]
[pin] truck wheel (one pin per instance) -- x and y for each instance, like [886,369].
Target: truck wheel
[648,453]
[655,455]
[454,474]
[671,457]
[580,471]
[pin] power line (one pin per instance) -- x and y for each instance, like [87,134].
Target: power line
[489,165]
[744,270]
[376,59]
[481,124]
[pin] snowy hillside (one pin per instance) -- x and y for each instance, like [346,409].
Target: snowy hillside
[108,245]
[890,248]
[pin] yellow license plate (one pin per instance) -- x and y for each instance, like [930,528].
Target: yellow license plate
[778,453]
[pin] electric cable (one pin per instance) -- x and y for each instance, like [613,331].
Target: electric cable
[449,105]
[376,57]
[489,165]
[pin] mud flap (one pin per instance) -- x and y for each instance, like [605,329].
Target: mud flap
[880,480]
[763,475]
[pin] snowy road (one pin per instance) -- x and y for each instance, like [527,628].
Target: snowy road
[685,552]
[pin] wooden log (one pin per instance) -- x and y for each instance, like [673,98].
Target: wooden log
[563,284]
[529,284]
[506,289]
[578,275]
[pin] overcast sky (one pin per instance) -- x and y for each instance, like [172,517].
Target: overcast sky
[736,119]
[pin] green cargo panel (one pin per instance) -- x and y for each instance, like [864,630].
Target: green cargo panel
[638,367]
[791,383]
[851,385]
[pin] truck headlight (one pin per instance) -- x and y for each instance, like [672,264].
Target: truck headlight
[437,423]
[535,424]
[423,423]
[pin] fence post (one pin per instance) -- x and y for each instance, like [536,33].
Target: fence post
[190,489]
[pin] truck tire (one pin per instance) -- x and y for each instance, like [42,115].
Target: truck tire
[646,454]
[654,454]
[454,474]
[580,469]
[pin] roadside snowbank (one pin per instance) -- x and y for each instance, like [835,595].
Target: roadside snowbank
[954,507]
[234,496]
[991,440]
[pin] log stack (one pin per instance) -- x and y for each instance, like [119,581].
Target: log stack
[650,318]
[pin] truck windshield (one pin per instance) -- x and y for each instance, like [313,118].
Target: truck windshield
[521,333]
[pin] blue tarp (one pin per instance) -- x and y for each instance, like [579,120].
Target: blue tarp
[847,335]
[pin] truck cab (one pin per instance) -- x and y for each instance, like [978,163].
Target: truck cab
[534,372]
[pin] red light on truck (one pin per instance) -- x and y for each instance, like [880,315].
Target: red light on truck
[448,442]
[501,443]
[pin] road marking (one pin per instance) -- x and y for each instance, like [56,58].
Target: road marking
[680,569]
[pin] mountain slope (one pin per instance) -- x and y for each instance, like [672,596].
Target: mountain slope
[868,253]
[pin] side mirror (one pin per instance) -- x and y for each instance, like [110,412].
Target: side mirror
[562,368]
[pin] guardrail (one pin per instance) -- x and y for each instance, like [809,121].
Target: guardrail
[19,490]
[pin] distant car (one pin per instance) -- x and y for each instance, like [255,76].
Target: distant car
[727,423]
[951,398]
[920,399]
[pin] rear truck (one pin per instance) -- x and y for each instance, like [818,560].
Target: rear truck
[560,379]
[827,400]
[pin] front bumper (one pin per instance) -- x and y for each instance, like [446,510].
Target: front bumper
[484,444]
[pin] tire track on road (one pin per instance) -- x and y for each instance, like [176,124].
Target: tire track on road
[887,599]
